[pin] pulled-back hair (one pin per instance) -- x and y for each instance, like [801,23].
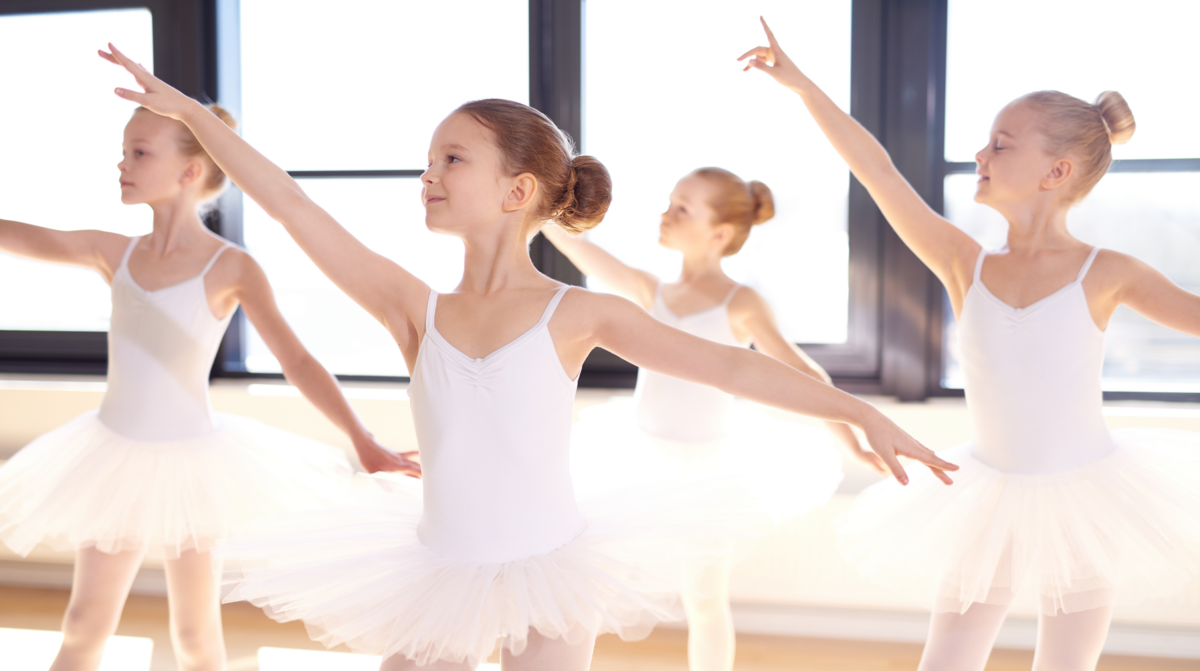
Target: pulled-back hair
[743,204]
[1085,131]
[216,181]
[576,190]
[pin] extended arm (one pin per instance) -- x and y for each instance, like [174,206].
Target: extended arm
[593,261]
[758,320]
[949,252]
[1149,293]
[99,250]
[629,332]
[391,294]
[307,374]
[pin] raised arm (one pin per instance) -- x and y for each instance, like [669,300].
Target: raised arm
[301,369]
[592,260]
[622,328]
[99,250]
[391,294]
[753,315]
[949,252]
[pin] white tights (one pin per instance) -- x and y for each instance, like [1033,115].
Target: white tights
[540,654]
[711,640]
[98,594]
[1065,642]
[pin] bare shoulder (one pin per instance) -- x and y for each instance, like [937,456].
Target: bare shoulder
[237,268]
[747,302]
[587,311]
[108,247]
[1113,268]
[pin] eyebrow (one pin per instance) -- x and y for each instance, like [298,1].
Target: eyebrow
[1004,132]
[451,147]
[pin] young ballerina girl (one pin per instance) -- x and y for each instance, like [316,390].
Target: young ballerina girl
[672,427]
[1047,495]
[492,547]
[155,470]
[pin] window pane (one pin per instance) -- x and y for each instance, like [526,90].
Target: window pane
[1152,216]
[998,50]
[679,101]
[60,167]
[361,84]
[386,214]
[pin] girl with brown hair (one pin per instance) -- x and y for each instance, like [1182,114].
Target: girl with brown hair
[492,546]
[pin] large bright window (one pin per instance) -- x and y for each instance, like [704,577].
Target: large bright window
[1146,206]
[664,95]
[61,144]
[346,96]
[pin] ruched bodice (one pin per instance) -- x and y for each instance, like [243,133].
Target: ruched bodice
[1033,379]
[494,436]
[161,346]
[683,411]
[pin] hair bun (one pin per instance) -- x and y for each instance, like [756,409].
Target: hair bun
[764,202]
[222,114]
[587,195]
[1116,115]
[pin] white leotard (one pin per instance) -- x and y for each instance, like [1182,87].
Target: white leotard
[1033,379]
[161,346]
[683,411]
[494,434]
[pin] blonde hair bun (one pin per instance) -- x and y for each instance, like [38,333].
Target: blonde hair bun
[764,203]
[1117,117]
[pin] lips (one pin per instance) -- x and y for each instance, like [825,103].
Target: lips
[430,200]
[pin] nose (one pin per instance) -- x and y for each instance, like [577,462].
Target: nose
[979,157]
[427,176]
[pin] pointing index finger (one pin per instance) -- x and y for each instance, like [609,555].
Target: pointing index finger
[770,35]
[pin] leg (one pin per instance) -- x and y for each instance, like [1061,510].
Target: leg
[1071,642]
[398,663]
[963,642]
[544,654]
[98,593]
[711,640]
[195,612]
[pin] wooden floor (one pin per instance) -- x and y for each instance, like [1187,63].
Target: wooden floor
[247,629]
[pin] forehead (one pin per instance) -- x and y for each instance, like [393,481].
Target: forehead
[693,189]
[1015,118]
[146,125]
[463,130]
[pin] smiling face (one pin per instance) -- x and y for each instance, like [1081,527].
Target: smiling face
[690,223]
[464,185]
[152,168]
[1015,166]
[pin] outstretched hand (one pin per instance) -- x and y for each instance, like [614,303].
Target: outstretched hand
[156,95]
[771,60]
[890,441]
[375,458]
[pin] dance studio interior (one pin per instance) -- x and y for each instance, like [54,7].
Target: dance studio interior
[344,97]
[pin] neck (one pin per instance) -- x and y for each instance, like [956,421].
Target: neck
[176,224]
[497,260]
[1037,226]
[700,265]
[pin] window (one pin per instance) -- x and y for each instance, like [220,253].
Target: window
[651,122]
[345,96]
[1146,206]
[60,167]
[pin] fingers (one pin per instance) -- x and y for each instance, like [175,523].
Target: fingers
[132,96]
[893,465]
[770,35]
[757,63]
[760,52]
[108,57]
[941,475]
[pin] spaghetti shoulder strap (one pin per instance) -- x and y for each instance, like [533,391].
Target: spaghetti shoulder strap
[214,258]
[553,305]
[979,263]
[129,251]
[430,310]
[1087,265]
[730,295]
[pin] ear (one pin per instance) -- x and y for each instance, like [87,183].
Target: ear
[523,189]
[722,234]
[1059,173]
[193,171]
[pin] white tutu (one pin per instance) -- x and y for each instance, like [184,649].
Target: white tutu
[1128,522]
[82,485]
[359,575]
[790,468]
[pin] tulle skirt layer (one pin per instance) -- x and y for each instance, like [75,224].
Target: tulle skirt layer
[790,468]
[1122,528]
[359,574]
[82,485]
